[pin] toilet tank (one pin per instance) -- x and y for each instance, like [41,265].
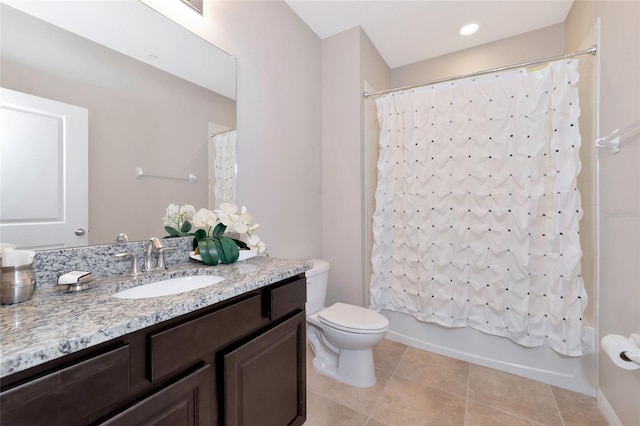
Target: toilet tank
[316,285]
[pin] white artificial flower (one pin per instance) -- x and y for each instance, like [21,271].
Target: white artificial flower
[171,215]
[242,221]
[238,221]
[253,240]
[175,215]
[254,243]
[227,213]
[204,218]
[186,212]
[238,227]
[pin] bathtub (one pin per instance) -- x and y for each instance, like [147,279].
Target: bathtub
[542,364]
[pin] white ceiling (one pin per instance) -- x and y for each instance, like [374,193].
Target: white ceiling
[405,32]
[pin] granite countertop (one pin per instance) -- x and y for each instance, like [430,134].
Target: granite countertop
[53,323]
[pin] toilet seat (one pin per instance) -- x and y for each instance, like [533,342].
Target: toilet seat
[353,319]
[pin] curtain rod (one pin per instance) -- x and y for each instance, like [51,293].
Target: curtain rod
[592,51]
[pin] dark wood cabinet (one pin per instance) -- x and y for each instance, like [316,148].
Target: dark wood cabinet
[179,404]
[239,362]
[69,395]
[267,372]
[183,344]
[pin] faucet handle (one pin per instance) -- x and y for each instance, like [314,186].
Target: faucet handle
[155,241]
[135,268]
[148,261]
[161,262]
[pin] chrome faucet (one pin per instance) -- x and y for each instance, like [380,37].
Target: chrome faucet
[134,271]
[148,259]
[122,238]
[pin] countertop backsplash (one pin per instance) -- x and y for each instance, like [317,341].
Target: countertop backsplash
[101,261]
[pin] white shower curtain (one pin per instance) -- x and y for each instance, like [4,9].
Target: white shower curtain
[225,167]
[477,207]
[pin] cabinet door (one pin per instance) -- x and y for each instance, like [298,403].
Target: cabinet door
[183,403]
[265,379]
[69,396]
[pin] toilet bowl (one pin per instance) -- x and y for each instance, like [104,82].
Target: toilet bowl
[341,336]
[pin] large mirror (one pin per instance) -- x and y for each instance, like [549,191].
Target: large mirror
[160,107]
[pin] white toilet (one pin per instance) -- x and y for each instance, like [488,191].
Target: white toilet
[341,335]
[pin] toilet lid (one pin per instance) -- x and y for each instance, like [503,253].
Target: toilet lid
[350,317]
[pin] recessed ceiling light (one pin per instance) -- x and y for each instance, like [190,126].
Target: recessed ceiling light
[469,29]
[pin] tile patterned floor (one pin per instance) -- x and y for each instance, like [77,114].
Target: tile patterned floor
[416,387]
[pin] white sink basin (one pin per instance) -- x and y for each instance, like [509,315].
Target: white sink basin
[168,287]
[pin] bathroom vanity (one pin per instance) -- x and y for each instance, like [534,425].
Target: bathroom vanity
[232,353]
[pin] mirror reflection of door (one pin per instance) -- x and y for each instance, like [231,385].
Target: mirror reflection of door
[43,205]
[222,165]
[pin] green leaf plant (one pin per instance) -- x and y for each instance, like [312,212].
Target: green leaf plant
[217,248]
[183,232]
[209,238]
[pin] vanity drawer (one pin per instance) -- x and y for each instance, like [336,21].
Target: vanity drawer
[69,395]
[287,298]
[181,345]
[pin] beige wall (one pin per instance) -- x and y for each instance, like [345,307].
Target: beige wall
[348,60]
[279,122]
[342,173]
[533,45]
[619,190]
[279,117]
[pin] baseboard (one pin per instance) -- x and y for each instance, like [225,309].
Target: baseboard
[607,411]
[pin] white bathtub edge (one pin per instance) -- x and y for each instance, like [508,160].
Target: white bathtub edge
[542,364]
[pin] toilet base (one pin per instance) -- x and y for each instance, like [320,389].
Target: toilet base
[352,367]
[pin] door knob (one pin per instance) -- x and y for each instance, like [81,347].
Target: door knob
[79,232]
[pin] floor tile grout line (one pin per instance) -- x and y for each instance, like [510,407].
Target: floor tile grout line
[424,385]
[393,373]
[321,395]
[406,349]
[466,400]
[341,403]
[428,386]
[502,410]
[555,402]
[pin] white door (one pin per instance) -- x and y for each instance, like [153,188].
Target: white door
[43,172]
